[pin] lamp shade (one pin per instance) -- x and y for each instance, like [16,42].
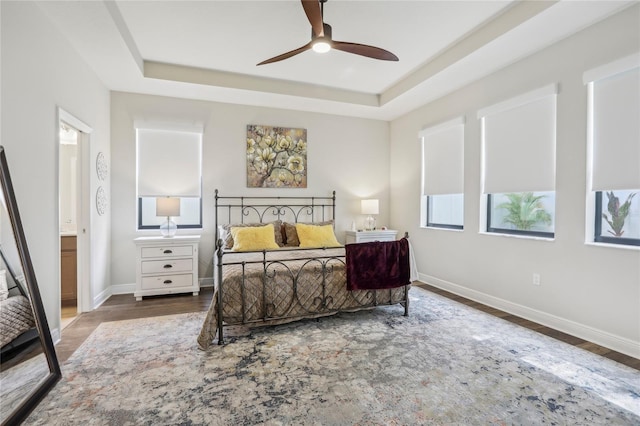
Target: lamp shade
[168,206]
[369,206]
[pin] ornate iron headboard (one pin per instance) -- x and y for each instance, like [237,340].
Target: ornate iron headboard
[265,209]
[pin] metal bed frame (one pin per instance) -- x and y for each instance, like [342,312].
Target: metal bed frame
[292,209]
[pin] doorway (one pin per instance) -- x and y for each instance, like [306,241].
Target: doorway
[68,223]
[74,217]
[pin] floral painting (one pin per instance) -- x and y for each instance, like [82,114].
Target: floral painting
[276,157]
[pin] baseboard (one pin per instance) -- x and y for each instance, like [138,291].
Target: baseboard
[594,335]
[55,335]
[102,297]
[206,282]
[123,288]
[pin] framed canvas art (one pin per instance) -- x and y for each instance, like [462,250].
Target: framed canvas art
[276,157]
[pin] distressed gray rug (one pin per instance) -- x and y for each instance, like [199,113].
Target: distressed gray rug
[445,364]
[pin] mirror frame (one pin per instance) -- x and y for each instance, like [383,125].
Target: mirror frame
[31,401]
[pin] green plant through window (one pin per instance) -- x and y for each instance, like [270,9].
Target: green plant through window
[617,212]
[524,210]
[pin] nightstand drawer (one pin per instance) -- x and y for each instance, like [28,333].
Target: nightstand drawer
[167,266]
[167,281]
[370,238]
[166,251]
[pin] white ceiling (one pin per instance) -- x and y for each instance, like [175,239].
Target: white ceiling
[208,50]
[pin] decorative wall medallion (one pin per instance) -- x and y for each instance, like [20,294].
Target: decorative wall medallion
[101,201]
[101,166]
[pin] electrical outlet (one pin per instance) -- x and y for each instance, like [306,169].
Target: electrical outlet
[536,279]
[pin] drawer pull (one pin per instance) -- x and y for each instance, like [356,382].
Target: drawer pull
[167,281]
[167,251]
[167,266]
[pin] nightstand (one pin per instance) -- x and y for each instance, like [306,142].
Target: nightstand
[167,265]
[368,236]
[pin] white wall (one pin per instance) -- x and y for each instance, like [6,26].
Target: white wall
[592,292]
[41,72]
[348,155]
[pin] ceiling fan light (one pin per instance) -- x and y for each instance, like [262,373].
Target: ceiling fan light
[321,46]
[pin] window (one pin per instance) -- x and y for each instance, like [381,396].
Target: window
[445,211]
[614,142]
[529,213]
[190,213]
[443,175]
[518,164]
[618,217]
[169,163]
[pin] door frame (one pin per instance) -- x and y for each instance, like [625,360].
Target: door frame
[83,207]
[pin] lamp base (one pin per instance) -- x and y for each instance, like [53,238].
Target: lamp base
[370,223]
[168,229]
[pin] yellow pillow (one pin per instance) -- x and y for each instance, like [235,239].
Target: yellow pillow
[253,238]
[316,236]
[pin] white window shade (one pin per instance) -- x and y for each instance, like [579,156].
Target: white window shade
[519,142]
[443,158]
[169,163]
[616,131]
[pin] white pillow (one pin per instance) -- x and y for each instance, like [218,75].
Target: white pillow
[223,232]
[4,290]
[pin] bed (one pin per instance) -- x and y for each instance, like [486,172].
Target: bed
[17,324]
[287,282]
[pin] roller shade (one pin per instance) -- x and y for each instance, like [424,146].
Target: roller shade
[169,163]
[519,143]
[616,129]
[443,158]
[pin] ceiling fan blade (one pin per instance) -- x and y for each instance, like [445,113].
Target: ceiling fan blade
[314,15]
[286,55]
[364,50]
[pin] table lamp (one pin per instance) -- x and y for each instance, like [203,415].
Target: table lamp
[168,207]
[369,207]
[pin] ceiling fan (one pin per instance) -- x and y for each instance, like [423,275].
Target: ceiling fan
[322,42]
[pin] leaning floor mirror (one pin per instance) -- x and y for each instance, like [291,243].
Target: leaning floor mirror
[28,365]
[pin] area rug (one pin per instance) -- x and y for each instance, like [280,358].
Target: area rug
[17,382]
[444,364]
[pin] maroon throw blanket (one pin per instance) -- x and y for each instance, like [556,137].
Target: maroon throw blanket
[377,265]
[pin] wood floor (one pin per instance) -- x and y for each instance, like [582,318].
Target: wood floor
[564,337]
[68,313]
[122,307]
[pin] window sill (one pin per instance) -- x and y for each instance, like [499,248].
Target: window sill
[182,231]
[437,228]
[615,246]
[522,237]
